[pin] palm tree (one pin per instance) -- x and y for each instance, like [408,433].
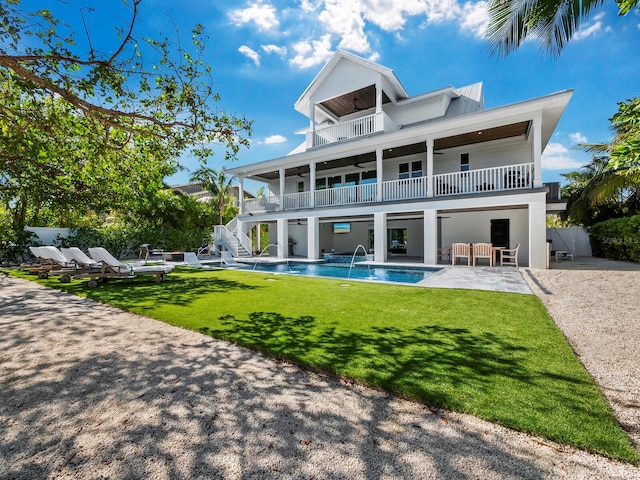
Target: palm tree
[218,185]
[551,22]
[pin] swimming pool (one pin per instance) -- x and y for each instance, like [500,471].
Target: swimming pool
[376,273]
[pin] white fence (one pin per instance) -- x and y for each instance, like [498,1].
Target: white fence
[570,239]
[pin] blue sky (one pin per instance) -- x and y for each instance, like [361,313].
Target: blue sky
[264,53]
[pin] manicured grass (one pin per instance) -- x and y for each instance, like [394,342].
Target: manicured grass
[498,356]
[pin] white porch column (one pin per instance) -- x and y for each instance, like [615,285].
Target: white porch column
[312,183]
[429,168]
[537,234]
[258,238]
[241,195]
[313,238]
[282,179]
[380,237]
[312,124]
[379,94]
[430,237]
[537,151]
[379,174]
[283,238]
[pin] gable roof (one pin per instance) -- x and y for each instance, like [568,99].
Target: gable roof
[392,84]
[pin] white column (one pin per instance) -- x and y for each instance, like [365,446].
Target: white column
[312,124]
[379,174]
[313,238]
[282,179]
[379,95]
[430,237]
[429,167]
[283,238]
[241,195]
[258,238]
[312,183]
[380,237]
[537,234]
[537,151]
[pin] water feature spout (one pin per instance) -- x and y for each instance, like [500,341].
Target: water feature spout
[354,257]
[264,250]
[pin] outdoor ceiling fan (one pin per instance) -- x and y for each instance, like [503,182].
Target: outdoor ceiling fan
[354,105]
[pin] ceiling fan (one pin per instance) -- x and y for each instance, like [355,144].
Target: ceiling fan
[355,107]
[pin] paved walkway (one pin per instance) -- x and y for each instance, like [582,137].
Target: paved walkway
[500,279]
[89,391]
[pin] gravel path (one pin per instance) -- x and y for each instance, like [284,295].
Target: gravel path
[595,302]
[88,391]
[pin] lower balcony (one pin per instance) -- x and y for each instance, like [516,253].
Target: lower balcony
[498,179]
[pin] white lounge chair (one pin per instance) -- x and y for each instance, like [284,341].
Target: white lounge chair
[51,262]
[228,259]
[110,267]
[81,259]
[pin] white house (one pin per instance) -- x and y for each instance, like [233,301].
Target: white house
[403,176]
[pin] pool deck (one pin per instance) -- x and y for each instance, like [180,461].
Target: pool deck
[499,279]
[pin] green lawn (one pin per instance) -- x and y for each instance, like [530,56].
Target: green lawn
[498,356]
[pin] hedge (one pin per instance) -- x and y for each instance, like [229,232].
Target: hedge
[618,239]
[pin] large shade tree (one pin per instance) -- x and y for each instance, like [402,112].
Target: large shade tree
[96,130]
[551,22]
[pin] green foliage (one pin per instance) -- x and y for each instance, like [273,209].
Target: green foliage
[551,22]
[618,239]
[93,132]
[609,186]
[218,185]
[495,355]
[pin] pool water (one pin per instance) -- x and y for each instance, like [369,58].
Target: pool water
[393,274]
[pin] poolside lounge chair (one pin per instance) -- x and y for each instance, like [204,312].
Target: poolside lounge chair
[81,259]
[460,250]
[110,267]
[228,259]
[51,262]
[482,250]
[510,255]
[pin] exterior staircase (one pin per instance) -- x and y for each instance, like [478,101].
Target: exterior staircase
[232,239]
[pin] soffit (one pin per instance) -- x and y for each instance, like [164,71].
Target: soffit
[352,102]
[486,135]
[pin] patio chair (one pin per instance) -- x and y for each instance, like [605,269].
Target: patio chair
[110,267]
[460,250]
[482,250]
[509,256]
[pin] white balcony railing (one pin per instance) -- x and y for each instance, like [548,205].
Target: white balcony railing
[511,177]
[486,179]
[345,130]
[404,189]
[346,195]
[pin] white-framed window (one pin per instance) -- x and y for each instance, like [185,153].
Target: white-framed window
[464,162]
[410,170]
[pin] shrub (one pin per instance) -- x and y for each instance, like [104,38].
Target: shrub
[618,239]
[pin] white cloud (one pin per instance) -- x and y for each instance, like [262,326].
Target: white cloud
[577,137]
[282,51]
[556,157]
[250,53]
[275,139]
[322,26]
[593,29]
[261,14]
[475,17]
[310,53]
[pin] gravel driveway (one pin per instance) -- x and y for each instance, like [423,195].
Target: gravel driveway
[88,391]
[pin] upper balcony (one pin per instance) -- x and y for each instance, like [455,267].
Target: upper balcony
[480,181]
[350,129]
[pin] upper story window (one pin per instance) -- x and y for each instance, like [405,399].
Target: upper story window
[464,162]
[321,183]
[410,170]
[300,187]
